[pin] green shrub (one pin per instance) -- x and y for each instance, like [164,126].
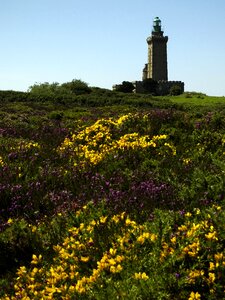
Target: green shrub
[125,87]
[77,87]
[175,90]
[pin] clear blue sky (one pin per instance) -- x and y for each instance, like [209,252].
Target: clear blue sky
[103,42]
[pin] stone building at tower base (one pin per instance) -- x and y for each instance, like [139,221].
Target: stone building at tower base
[163,87]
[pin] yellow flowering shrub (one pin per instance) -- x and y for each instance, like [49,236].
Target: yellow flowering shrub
[93,144]
[81,261]
[127,258]
[193,245]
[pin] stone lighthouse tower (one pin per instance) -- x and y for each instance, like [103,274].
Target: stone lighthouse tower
[156,68]
[155,73]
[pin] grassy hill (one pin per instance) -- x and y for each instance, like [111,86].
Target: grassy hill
[112,195]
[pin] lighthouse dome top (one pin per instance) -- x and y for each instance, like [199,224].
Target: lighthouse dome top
[157,19]
[157,24]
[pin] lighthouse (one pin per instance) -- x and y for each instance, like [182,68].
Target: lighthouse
[156,68]
[155,73]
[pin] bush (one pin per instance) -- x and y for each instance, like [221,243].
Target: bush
[77,87]
[175,90]
[125,87]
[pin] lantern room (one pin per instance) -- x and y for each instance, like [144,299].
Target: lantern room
[157,25]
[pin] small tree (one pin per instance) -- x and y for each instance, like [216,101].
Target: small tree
[175,90]
[77,86]
[125,87]
[47,89]
[43,88]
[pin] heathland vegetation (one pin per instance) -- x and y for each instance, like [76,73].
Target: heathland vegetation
[111,195]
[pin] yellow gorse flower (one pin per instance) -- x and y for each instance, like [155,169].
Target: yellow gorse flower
[36,259]
[103,219]
[186,161]
[10,221]
[146,236]
[26,145]
[1,162]
[212,235]
[194,296]
[212,277]
[84,258]
[218,257]
[141,276]
[211,266]
[195,274]
[116,269]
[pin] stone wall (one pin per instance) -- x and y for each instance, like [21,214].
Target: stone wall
[163,87]
[138,87]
